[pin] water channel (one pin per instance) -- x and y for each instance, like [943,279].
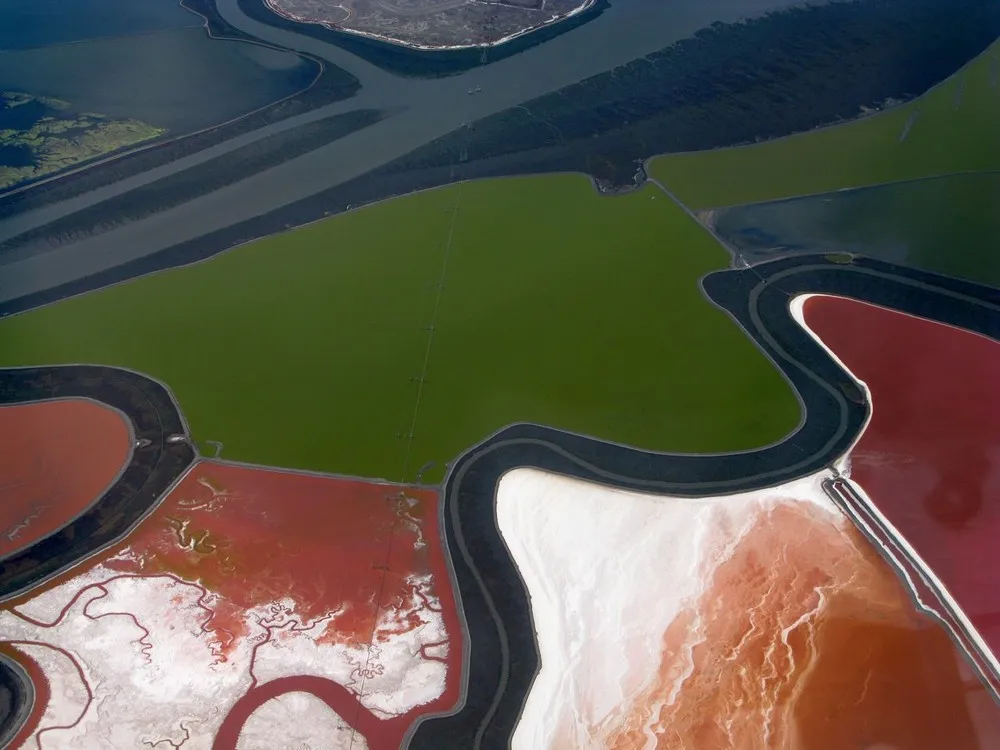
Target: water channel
[422,111]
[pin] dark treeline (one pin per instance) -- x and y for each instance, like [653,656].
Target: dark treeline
[332,84]
[782,73]
[416,63]
[187,185]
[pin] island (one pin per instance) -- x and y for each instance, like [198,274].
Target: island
[432,24]
[40,136]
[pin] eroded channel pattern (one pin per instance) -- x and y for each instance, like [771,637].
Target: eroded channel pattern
[245,589]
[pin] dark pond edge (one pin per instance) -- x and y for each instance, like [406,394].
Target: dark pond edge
[501,657]
[161,454]
[157,462]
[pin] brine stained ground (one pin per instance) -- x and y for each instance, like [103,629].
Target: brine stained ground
[951,128]
[380,340]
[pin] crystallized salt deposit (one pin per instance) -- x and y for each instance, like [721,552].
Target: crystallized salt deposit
[608,572]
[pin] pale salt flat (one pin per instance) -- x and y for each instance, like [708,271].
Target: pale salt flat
[145,641]
[294,721]
[68,694]
[174,673]
[390,677]
[608,571]
[46,605]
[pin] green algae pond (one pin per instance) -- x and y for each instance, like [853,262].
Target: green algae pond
[374,342]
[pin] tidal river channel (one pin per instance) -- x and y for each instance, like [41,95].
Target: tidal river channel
[422,110]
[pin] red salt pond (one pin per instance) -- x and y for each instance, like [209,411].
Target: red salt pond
[245,584]
[930,458]
[56,459]
[260,536]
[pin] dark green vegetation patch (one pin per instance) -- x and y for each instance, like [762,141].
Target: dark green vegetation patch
[40,136]
[948,225]
[444,315]
[788,71]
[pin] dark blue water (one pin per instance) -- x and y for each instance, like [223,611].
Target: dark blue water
[151,60]
[35,23]
[23,116]
[16,156]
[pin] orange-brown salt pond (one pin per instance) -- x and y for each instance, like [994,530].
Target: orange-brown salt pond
[758,621]
[811,643]
[56,459]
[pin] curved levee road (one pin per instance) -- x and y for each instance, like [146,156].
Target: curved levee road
[502,656]
[156,463]
[421,110]
[18,693]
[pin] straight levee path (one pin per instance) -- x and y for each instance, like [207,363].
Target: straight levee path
[430,336]
[413,425]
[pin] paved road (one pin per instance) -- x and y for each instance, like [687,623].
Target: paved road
[423,110]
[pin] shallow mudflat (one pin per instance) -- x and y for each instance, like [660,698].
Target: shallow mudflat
[177,79]
[41,23]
